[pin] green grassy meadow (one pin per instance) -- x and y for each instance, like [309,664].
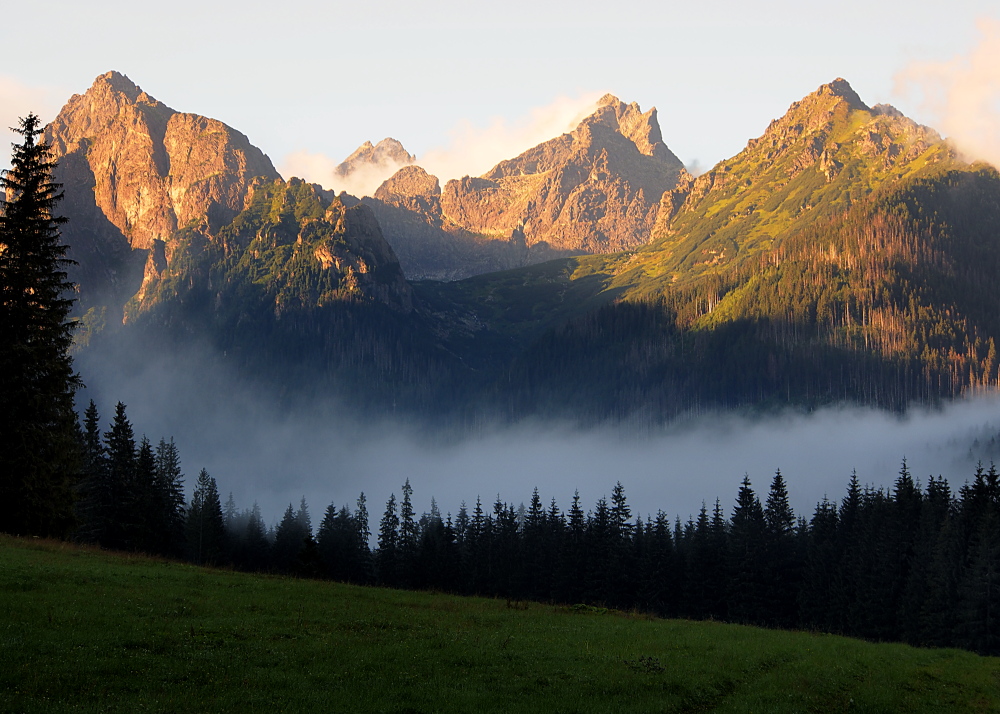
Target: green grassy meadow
[84,630]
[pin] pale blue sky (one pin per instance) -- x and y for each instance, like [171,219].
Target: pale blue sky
[324,77]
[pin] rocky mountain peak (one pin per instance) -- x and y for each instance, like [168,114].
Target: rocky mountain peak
[409,181]
[117,82]
[388,153]
[595,189]
[821,124]
[817,111]
[827,149]
[135,170]
[842,89]
[629,121]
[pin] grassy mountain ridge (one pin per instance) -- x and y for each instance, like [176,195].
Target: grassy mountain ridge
[826,153]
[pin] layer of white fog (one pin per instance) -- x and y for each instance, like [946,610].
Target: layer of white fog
[326,455]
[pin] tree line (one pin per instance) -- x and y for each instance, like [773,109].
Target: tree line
[913,563]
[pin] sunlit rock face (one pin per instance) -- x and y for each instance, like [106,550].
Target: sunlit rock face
[596,189]
[385,155]
[135,171]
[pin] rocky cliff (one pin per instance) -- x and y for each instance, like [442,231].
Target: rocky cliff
[135,171]
[429,245]
[594,190]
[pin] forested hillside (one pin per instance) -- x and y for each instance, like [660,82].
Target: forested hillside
[299,291]
[845,255]
[888,303]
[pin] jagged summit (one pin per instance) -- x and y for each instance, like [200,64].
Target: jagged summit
[840,87]
[120,83]
[154,169]
[136,170]
[592,190]
[387,154]
[643,129]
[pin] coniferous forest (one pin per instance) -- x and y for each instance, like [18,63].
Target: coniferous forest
[917,562]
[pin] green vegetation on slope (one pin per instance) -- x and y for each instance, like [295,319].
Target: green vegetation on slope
[303,294]
[91,631]
[828,153]
[889,302]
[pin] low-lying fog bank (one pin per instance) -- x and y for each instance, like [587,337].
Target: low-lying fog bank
[327,456]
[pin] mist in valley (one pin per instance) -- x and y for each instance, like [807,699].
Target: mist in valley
[323,450]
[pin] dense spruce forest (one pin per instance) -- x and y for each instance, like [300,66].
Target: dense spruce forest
[916,562]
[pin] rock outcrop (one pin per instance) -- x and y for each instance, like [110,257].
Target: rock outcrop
[594,190]
[430,246]
[135,171]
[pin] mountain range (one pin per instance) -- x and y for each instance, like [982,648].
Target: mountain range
[847,254]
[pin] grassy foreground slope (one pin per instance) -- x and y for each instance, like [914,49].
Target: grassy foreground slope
[88,631]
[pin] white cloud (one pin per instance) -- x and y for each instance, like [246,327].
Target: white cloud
[475,150]
[471,150]
[319,168]
[963,94]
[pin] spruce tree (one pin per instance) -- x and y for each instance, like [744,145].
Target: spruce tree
[290,537]
[92,498]
[363,559]
[571,571]
[206,532]
[38,427]
[119,447]
[144,528]
[256,551]
[535,568]
[747,550]
[781,565]
[388,545]
[407,537]
[170,495]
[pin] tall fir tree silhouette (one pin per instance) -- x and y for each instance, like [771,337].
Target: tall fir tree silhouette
[39,435]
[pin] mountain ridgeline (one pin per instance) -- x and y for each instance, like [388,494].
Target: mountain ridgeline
[847,254]
[595,189]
